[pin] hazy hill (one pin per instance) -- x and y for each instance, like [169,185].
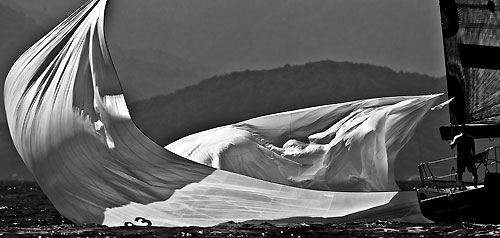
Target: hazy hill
[145,72]
[238,96]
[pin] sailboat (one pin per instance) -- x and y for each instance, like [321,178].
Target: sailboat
[471,43]
[69,121]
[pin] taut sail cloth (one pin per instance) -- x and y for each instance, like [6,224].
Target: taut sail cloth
[472,51]
[69,121]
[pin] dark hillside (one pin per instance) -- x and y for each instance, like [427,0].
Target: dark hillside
[238,96]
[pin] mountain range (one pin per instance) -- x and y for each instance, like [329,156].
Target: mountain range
[237,96]
[242,95]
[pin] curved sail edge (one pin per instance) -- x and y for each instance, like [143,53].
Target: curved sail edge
[69,122]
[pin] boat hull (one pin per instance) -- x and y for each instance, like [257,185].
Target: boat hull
[476,205]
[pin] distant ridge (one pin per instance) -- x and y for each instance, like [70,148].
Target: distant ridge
[146,73]
[238,96]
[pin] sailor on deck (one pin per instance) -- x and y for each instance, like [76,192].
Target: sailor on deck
[465,155]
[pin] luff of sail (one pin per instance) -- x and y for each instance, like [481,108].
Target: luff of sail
[70,124]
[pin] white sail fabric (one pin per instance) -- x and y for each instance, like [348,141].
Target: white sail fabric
[70,124]
[350,146]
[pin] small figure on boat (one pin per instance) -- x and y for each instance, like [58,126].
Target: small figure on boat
[465,154]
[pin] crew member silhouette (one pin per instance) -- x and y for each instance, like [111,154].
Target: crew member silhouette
[465,155]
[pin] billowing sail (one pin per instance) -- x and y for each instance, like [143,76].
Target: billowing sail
[342,147]
[471,31]
[70,124]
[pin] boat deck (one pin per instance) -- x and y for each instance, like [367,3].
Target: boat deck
[442,200]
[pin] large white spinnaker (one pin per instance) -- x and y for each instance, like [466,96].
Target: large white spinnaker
[70,124]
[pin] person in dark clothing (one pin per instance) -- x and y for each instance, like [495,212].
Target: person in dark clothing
[465,155]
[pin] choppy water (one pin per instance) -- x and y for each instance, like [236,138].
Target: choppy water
[26,212]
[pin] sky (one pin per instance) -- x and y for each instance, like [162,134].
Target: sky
[231,35]
[234,35]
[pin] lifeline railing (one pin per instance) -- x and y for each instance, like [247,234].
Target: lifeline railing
[429,178]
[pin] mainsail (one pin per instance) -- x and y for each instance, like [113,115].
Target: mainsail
[69,122]
[472,48]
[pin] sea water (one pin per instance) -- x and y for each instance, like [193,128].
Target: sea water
[26,212]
